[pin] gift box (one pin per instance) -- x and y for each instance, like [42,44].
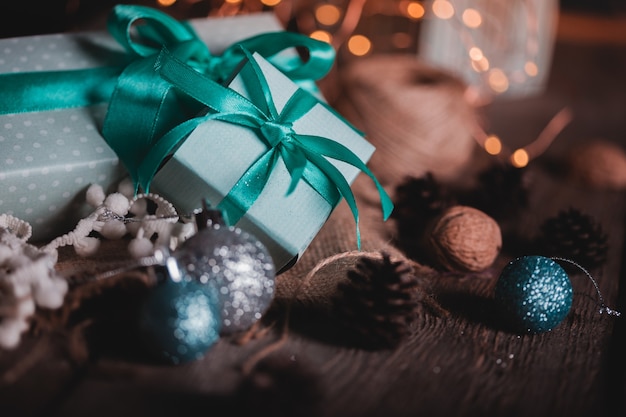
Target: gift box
[217,156]
[50,157]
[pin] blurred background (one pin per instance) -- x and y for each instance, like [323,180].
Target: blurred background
[508,42]
[547,53]
[515,34]
[390,25]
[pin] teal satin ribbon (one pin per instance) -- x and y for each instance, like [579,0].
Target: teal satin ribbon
[161,30]
[143,32]
[304,156]
[52,90]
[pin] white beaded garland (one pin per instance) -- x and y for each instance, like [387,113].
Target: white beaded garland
[111,219]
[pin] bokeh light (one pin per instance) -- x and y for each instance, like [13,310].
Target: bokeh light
[472,18]
[327,14]
[531,69]
[359,45]
[443,9]
[520,158]
[498,81]
[270,2]
[480,65]
[476,53]
[322,35]
[493,145]
[415,10]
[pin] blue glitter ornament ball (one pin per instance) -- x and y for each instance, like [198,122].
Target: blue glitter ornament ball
[536,292]
[179,321]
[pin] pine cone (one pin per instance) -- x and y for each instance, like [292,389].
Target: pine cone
[417,201]
[502,191]
[379,301]
[575,236]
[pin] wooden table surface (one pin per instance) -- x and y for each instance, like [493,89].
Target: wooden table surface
[462,364]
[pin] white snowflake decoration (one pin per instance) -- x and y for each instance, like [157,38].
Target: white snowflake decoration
[27,280]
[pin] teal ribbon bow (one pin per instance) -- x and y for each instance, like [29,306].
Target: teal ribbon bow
[143,32]
[305,156]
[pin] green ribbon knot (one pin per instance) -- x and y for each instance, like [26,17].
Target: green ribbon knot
[306,157]
[277,132]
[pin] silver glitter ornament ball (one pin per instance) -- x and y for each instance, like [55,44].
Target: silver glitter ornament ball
[238,265]
[536,291]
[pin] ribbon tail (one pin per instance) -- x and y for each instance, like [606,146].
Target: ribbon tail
[337,178]
[248,188]
[338,151]
[295,162]
[164,147]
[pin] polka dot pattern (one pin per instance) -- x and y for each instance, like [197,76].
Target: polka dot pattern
[56,52]
[48,160]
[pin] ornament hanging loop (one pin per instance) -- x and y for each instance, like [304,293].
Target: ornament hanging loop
[603,307]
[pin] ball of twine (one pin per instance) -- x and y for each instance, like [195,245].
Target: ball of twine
[415,115]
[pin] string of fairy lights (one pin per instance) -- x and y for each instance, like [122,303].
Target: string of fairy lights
[337,22]
[343,24]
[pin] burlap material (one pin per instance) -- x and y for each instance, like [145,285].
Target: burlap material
[313,281]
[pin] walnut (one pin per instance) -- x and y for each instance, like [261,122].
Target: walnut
[464,239]
[599,164]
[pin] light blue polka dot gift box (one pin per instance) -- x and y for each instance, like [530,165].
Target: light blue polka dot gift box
[49,158]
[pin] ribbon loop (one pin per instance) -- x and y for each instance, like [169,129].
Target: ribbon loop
[159,29]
